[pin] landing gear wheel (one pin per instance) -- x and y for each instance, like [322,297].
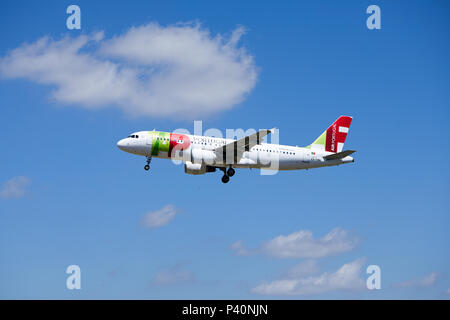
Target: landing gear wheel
[225,178]
[231,172]
[147,166]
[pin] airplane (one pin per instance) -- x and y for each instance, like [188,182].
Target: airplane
[203,154]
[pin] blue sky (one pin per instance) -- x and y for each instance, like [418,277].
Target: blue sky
[82,201]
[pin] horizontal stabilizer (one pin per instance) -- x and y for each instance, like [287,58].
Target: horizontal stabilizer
[339,155]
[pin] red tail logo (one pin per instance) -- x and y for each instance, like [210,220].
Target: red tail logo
[337,133]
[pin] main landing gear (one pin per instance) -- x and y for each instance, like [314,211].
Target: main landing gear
[227,174]
[147,166]
[225,178]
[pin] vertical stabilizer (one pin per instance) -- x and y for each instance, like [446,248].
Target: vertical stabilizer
[333,139]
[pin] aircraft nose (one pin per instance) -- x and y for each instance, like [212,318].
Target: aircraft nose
[121,144]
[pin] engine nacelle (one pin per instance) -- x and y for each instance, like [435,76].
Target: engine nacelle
[203,156]
[194,168]
[197,168]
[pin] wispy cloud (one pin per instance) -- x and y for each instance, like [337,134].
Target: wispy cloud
[302,269]
[14,187]
[177,70]
[347,277]
[159,218]
[239,248]
[174,275]
[426,281]
[302,244]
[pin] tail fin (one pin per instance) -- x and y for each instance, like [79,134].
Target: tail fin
[332,139]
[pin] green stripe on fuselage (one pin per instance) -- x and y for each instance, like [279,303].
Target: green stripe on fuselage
[160,142]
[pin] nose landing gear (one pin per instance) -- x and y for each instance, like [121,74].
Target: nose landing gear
[147,166]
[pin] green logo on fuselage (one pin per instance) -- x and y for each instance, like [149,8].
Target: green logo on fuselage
[160,142]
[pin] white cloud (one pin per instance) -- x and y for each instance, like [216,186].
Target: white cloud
[159,218]
[239,248]
[302,269]
[179,70]
[302,244]
[14,188]
[447,291]
[426,281]
[346,277]
[174,275]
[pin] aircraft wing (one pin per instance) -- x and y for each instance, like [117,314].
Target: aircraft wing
[236,148]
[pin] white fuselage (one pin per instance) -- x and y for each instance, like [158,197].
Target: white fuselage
[264,155]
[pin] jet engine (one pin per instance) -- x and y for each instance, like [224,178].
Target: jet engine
[197,168]
[203,156]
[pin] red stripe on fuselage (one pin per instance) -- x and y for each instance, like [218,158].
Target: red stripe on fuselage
[176,145]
